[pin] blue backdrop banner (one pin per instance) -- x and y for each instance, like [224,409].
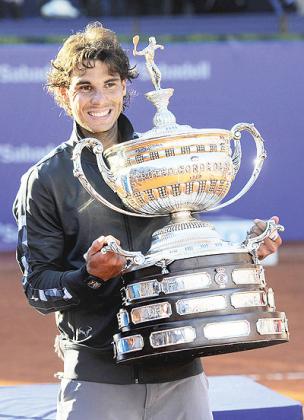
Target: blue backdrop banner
[216,86]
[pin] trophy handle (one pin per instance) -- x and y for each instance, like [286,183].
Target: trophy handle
[237,156]
[253,243]
[108,176]
[236,159]
[134,258]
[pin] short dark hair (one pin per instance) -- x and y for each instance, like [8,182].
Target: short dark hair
[80,51]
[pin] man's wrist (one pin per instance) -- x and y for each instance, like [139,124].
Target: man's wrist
[91,281]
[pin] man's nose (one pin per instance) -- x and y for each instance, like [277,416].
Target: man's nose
[98,96]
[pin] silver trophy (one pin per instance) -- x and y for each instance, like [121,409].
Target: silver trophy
[178,170]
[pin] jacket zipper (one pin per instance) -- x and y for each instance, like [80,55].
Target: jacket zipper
[130,246]
[136,378]
[129,237]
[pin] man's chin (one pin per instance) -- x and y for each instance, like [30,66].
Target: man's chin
[98,130]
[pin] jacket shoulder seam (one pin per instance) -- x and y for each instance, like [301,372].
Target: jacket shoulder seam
[54,152]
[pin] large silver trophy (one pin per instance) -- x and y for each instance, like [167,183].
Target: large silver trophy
[192,294]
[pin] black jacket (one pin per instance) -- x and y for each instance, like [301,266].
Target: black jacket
[57,222]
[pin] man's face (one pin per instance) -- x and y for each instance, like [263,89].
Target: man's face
[96,98]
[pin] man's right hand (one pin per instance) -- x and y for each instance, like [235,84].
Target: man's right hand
[104,266]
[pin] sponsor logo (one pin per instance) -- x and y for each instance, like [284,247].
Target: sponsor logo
[22,74]
[186,71]
[23,153]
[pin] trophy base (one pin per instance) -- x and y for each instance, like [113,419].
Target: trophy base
[200,346]
[204,306]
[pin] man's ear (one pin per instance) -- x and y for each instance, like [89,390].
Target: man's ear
[63,92]
[124,86]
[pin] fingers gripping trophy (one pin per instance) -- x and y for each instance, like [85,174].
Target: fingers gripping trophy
[193,294]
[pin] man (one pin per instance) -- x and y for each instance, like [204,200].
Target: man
[59,222]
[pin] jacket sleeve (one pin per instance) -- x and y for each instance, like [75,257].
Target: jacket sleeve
[40,249]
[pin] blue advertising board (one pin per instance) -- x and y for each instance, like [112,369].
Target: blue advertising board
[216,86]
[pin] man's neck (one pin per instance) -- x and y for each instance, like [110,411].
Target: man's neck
[107,138]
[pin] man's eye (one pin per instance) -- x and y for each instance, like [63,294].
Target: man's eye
[110,84]
[85,88]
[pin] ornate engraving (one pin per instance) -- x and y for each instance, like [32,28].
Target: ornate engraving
[221,277]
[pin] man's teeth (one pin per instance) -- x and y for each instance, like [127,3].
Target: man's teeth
[100,114]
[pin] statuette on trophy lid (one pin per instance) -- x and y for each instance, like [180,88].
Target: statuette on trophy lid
[163,119]
[149,53]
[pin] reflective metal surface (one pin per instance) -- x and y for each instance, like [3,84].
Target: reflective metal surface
[200,305]
[227,329]
[249,299]
[123,319]
[190,171]
[270,298]
[272,326]
[141,290]
[169,285]
[193,282]
[249,276]
[196,305]
[172,337]
[186,283]
[151,312]
[206,336]
[221,277]
[129,344]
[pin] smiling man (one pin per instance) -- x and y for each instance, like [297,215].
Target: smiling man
[95,99]
[59,222]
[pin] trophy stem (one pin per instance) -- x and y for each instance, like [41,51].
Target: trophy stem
[160,99]
[164,120]
[185,231]
[183,216]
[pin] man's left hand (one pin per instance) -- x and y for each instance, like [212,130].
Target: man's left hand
[270,244]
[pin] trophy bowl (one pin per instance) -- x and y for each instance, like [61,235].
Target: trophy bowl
[191,171]
[188,171]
